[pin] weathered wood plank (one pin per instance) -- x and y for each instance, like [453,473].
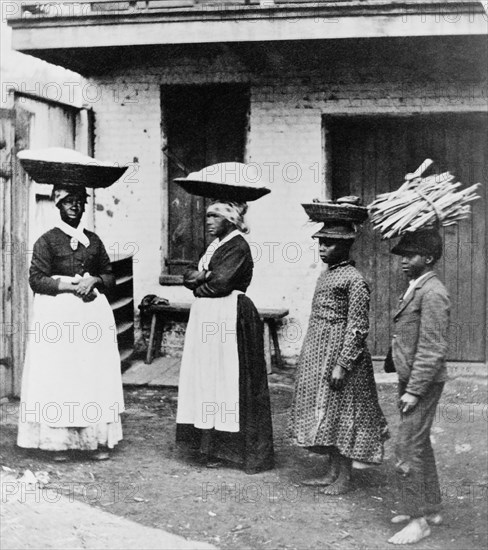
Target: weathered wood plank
[169,376]
[386,149]
[457,143]
[163,371]
[184,308]
[458,149]
[140,373]
[7,139]
[20,215]
[478,248]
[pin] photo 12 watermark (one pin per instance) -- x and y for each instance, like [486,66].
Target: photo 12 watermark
[94,493]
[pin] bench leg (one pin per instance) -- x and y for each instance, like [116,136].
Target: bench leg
[267,347]
[152,335]
[276,344]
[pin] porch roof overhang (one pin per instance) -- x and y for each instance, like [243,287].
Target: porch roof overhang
[70,37]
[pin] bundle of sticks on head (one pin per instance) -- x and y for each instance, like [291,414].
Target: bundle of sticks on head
[421,202]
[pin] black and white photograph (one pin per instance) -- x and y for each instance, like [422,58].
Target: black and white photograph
[244,274]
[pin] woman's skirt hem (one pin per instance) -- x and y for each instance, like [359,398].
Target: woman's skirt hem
[34,435]
[225,446]
[343,450]
[250,448]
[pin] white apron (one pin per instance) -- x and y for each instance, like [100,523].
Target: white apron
[208,394]
[208,391]
[72,374]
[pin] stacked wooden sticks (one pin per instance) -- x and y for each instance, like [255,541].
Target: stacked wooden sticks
[421,202]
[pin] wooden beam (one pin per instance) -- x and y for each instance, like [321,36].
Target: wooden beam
[48,101]
[205,31]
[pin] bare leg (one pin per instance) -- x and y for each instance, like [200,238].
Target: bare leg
[416,530]
[432,519]
[329,477]
[341,484]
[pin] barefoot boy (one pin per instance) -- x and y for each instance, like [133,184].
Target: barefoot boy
[419,354]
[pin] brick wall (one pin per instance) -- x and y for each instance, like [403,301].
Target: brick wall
[285,140]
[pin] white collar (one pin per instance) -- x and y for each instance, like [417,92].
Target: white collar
[228,237]
[76,233]
[414,282]
[213,247]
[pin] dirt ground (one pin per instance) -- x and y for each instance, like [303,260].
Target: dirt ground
[150,481]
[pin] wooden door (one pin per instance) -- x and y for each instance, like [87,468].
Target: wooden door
[26,211]
[371,155]
[203,125]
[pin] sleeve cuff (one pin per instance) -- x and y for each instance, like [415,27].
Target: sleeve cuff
[415,393]
[344,365]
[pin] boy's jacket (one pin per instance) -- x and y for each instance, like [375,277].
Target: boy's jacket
[419,344]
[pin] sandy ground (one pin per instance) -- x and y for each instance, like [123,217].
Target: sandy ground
[150,482]
[34,518]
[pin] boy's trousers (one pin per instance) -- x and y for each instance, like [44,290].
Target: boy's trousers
[415,467]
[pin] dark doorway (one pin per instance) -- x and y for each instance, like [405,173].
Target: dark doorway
[203,125]
[371,155]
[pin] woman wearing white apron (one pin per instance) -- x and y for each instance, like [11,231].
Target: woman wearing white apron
[71,396]
[223,400]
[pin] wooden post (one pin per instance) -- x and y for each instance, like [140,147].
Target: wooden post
[276,344]
[20,229]
[152,335]
[7,138]
[267,347]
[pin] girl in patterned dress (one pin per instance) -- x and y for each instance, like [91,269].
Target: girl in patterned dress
[335,409]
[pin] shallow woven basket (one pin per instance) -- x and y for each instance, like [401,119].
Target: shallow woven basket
[61,173]
[222,191]
[328,211]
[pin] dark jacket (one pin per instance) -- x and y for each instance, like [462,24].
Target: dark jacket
[419,344]
[230,268]
[53,255]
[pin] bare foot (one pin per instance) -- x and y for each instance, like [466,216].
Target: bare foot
[432,519]
[415,531]
[214,463]
[340,486]
[100,455]
[328,479]
[60,457]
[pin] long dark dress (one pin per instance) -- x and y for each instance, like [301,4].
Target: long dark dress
[350,420]
[251,447]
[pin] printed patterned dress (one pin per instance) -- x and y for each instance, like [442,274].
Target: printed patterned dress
[351,419]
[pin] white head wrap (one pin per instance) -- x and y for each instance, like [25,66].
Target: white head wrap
[60,193]
[231,211]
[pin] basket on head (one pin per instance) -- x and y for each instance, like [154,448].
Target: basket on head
[60,166]
[232,181]
[328,211]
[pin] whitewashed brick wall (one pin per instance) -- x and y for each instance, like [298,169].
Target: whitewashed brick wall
[285,140]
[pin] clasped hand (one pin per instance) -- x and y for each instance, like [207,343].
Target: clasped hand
[84,288]
[337,378]
[194,279]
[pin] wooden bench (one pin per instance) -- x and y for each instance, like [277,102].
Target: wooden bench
[181,311]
